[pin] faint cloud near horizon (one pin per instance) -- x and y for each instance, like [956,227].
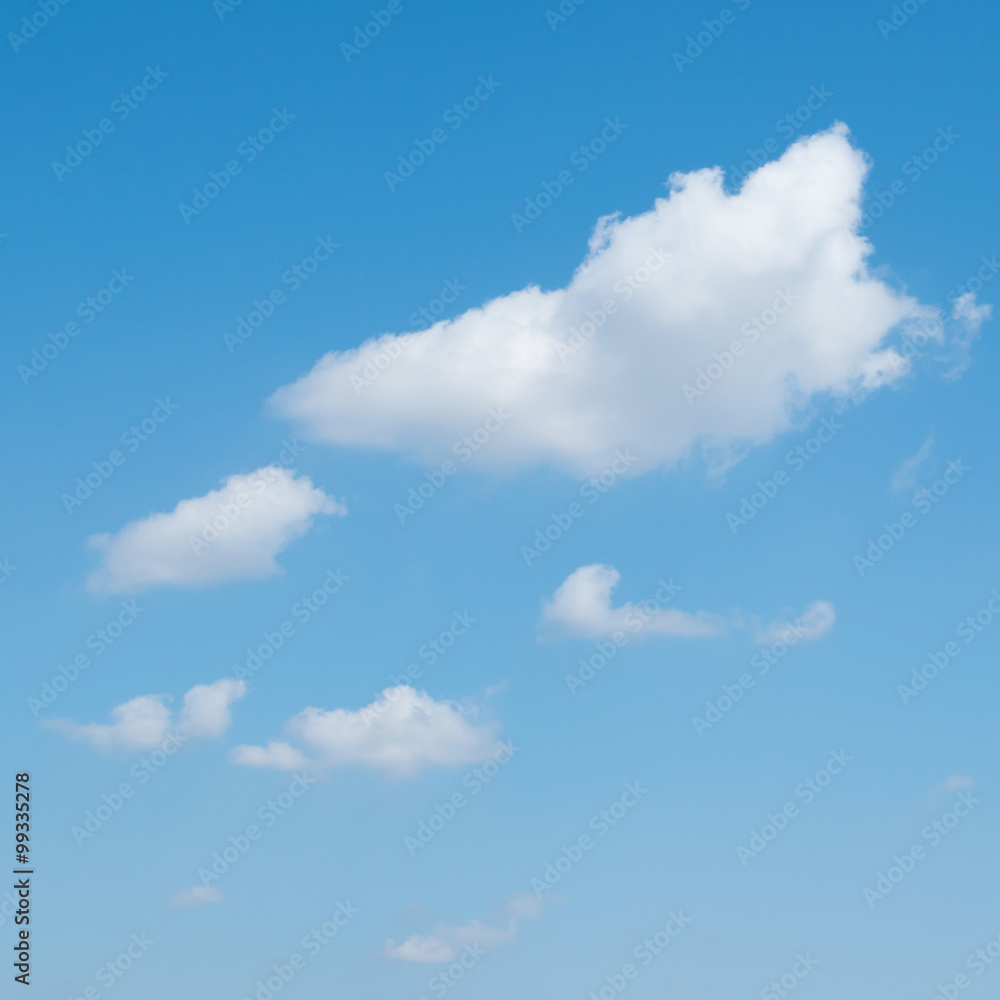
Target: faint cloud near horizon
[197,895]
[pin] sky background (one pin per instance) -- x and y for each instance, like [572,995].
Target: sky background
[162,338]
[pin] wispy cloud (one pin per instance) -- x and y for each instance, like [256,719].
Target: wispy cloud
[198,895]
[905,477]
[447,940]
[812,624]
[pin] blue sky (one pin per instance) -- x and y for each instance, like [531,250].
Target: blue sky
[508,576]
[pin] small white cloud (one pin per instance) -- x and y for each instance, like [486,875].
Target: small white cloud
[231,533]
[905,477]
[582,606]
[420,948]
[145,722]
[636,351]
[206,710]
[141,723]
[447,941]
[967,320]
[277,754]
[197,895]
[401,733]
[813,623]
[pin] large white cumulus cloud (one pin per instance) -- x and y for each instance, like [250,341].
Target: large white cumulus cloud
[676,285]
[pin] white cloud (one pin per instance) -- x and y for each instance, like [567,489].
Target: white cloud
[277,753]
[582,606]
[686,280]
[813,623]
[145,722]
[230,533]
[197,895]
[447,941]
[968,318]
[905,477]
[420,948]
[401,732]
[206,708]
[142,723]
